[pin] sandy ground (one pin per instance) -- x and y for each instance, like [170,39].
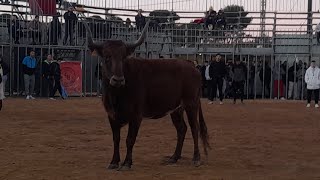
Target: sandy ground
[72,139]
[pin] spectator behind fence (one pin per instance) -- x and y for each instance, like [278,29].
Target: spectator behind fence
[312,78]
[6,70]
[14,29]
[35,29]
[211,19]
[54,32]
[277,82]
[208,80]
[1,87]
[55,79]
[29,64]
[140,20]
[69,27]
[265,78]
[295,77]
[217,72]
[239,76]
[46,76]
[221,20]
[318,33]
[4,2]
[98,75]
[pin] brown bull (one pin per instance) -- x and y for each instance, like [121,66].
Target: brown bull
[134,89]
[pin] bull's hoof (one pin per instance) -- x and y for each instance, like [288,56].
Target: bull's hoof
[113,166]
[196,163]
[172,161]
[124,168]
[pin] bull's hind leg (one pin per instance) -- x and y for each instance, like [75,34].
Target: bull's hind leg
[192,112]
[115,126]
[181,127]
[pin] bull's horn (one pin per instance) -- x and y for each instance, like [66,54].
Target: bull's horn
[141,38]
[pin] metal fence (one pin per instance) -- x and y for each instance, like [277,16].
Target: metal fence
[285,39]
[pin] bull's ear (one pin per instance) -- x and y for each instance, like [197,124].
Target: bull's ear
[96,49]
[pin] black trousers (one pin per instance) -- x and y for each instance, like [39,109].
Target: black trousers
[45,87]
[69,31]
[216,82]
[54,85]
[238,90]
[316,95]
[318,37]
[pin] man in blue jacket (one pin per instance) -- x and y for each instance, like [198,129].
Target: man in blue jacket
[29,65]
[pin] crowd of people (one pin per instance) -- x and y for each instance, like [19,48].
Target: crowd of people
[235,76]
[213,20]
[51,76]
[36,29]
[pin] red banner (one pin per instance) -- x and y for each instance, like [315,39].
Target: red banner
[71,77]
[43,7]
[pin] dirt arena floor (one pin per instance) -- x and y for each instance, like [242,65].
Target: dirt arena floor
[72,139]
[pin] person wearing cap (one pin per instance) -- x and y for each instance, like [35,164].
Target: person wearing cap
[312,79]
[217,72]
[239,76]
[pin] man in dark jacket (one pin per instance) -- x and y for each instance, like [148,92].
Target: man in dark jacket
[55,30]
[70,23]
[6,70]
[140,20]
[46,76]
[239,76]
[217,72]
[55,77]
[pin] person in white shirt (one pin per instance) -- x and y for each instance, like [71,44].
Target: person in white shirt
[312,79]
[318,33]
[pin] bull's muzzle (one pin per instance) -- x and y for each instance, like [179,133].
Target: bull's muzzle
[117,81]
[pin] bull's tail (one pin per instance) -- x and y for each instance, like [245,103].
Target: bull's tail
[203,131]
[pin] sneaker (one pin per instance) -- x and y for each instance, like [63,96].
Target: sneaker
[316,106]
[221,103]
[283,98]
[308,105]
[28,97]
[31,97]
[211,102]
[275,98]
[52,99]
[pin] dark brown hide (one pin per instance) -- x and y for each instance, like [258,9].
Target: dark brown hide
[142,88]
[155,88]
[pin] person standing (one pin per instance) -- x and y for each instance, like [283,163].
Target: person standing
[140,20]
[55,79]
[277,82]
[98,74]
[217,72]
[312,79]
[6,70]
[318,33]
[239,76]
[70,23]
[29,64]
[1,87]
[46,76]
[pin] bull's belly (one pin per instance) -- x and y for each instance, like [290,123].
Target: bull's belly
[160,114]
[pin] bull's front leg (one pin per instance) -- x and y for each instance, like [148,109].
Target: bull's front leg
[115,126]
[131,139]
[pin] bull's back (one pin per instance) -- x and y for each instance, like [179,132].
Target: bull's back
[165,83]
